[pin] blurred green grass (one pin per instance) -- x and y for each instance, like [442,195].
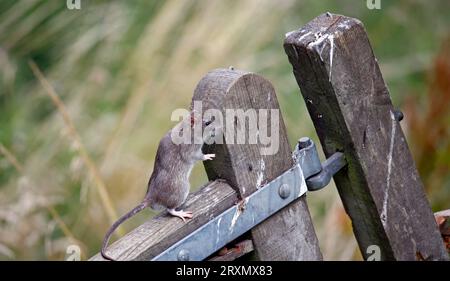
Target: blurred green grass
[121,67]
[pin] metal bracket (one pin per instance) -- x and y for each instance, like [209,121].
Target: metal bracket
[258,206]
[238,219]
[319,175]
[330,167]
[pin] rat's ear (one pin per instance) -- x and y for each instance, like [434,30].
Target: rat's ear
[193,117]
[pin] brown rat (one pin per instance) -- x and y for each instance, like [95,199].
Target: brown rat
[169,186]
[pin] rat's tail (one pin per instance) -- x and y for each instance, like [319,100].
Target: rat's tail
[123,218]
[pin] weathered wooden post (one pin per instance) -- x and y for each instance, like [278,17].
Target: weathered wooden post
[350,106]
[289,234]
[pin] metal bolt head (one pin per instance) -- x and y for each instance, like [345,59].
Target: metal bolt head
[284,191]
[183,255]
[304,142]
[398,115]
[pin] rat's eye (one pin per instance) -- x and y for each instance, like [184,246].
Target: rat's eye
[209,120]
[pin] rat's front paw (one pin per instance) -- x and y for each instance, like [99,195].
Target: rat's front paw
[208,157]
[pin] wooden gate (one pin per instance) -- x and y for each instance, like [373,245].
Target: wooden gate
[350,106]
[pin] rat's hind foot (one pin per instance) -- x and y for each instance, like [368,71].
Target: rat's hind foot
[208,157]
[181,214]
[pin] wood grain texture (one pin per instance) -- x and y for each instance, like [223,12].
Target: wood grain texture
[159,233]
[289,234]
[349,103]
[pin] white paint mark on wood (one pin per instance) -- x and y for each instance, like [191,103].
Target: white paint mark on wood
[319,46]
[331,38]
[239,209]
[262,167]
[383,215]
[304,35]
[316,44]
[344,25]
[289,33]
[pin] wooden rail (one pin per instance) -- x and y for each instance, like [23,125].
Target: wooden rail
[157,234]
